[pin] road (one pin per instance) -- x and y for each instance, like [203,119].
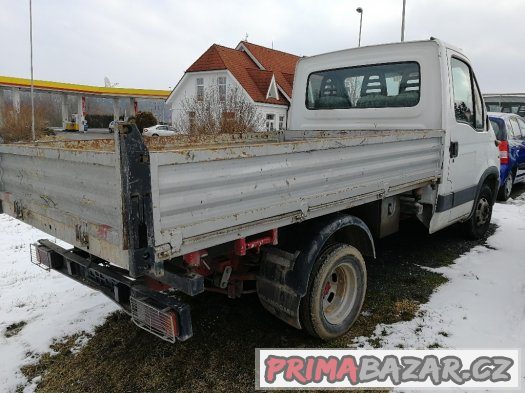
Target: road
[92,133]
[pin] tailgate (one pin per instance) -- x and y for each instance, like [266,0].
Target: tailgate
[74,195]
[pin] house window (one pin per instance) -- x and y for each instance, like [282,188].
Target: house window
[200,89]
[221,82]
[228,121]
[281,122]
[270,122]
[191,120]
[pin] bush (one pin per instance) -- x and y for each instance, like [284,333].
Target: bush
[99,121]
[231,114]
[145,119]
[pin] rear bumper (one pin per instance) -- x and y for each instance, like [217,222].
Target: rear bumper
[172,317]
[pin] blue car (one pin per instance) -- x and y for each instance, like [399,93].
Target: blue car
[510,131]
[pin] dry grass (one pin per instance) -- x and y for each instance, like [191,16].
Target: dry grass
[16,126]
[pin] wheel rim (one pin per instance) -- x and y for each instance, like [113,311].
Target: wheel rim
[339,293]
[482,211]
[508,185]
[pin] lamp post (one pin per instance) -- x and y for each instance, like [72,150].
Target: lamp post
[403,22]
[32,84]
[360,11]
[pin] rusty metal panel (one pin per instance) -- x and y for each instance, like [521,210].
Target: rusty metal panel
[74,195]
[215,195]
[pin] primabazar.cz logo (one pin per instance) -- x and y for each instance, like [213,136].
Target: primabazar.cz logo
[345,368]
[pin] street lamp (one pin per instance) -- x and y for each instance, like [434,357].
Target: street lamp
[360,11]
[32,83]
[403,22]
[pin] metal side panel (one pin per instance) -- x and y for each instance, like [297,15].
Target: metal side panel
[211,196]
[73,195]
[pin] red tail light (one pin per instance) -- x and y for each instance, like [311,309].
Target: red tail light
[504,152]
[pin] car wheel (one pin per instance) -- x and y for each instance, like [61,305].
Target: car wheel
[477,225]
[155,135]
[506,188]
[336,291]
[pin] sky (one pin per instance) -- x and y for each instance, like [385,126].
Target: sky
[149,44]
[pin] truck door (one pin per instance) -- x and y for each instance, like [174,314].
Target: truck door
[469,142]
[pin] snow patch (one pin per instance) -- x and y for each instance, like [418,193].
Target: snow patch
[51,305]
[483,303]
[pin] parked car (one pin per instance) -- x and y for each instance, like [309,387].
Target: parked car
[376,134]
[510,131]
[161,130]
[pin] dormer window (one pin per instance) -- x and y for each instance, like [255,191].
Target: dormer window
[272,89]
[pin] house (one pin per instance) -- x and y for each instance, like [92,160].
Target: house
[264,75]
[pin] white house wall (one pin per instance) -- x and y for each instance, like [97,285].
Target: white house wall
[187,89]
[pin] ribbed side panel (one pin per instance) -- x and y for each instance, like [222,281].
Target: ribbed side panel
[196,198]
[87,191]
[73,195]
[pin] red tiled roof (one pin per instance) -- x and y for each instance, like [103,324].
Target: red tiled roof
[255,81]
[281,63]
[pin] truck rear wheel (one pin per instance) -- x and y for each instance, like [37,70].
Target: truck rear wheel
[478,224]
[336,291]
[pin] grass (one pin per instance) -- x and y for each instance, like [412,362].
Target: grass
[120,357]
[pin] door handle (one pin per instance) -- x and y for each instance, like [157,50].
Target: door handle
[454,149]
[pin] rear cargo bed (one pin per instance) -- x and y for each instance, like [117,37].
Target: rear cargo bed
[206,191]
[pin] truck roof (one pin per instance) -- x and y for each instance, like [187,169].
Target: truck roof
[389,45]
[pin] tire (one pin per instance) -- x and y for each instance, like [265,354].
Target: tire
[155,135]
[506,188]
[477,225]
[335,294]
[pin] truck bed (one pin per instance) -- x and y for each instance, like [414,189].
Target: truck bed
[206,191]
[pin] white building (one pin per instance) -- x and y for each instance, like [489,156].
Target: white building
[264,75]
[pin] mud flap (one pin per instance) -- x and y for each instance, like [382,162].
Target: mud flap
[275,295]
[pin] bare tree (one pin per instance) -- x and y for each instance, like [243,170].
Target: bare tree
[216,112]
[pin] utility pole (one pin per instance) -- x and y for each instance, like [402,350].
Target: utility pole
[403,22]
[360,11]
[32,83]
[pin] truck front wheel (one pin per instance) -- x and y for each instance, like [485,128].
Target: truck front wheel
[478,224]
[336,291]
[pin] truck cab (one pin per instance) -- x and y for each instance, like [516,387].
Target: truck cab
[421,85]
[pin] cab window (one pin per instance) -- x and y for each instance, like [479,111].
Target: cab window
[468,105]
[390,85]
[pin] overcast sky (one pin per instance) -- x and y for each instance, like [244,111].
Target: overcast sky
[149,44]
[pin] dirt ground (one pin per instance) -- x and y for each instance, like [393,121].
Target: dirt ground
[120,357]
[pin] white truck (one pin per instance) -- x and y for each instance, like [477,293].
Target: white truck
[376,134]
